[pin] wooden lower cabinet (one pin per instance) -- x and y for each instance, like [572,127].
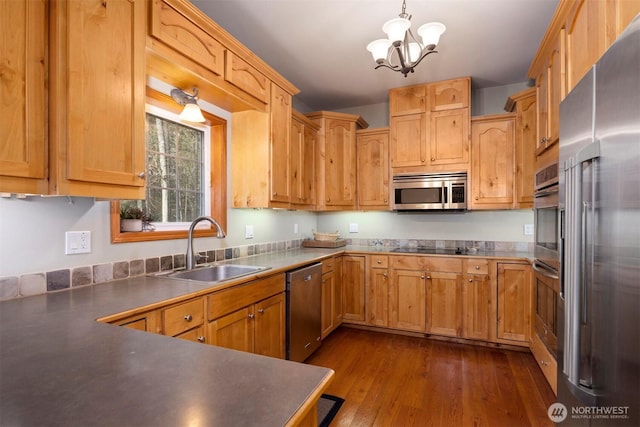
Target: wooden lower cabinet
[476,307]
[147,322]
[407,309]
[196,335]
[331,311]
[514,294]
[353,282]
[258,328]
[444,303]
[377,291]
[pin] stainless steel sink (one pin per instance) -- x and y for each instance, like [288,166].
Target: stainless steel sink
[215,273]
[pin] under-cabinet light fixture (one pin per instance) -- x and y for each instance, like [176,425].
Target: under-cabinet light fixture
[191,111]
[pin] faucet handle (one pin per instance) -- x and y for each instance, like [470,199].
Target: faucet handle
[201,256]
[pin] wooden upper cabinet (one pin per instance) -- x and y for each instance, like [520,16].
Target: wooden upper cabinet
[450,94]
[260,154]
[97,100]
[280,136]
[551,86]
[524,104]
[175,30]
[587,38]
[408,141]
[449,140]
[622,14]
[492,165]
[407,100]
[239,73]
[23,119]
[372,148]
[304,134]
[336,159]
[429,127]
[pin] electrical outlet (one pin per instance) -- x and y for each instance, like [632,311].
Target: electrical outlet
[528,230]
[248,231]
[295,228]
[353,228]
[77,242]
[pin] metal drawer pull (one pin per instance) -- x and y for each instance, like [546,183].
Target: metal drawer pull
[261,310]
[201,339]
[251,315]
[188,318]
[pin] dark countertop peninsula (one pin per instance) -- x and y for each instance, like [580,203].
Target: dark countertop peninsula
[59,366]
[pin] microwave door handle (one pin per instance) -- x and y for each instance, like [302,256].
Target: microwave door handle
[445,193]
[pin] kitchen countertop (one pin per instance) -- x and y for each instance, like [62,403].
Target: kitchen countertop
[59,366]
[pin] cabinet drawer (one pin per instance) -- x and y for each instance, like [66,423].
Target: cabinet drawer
[450,265]
[477,266]
[178,32]
[379,261]
[328,265]
[182,317]
[245,77]
[546,362]
[196,335]
[232,299]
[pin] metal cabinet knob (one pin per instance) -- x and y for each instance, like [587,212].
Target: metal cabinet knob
[141,175]
[433,159]
[201,339]
[261,310]
[477,267]
[251,315]
[470,280]
[379,262]
[188,317]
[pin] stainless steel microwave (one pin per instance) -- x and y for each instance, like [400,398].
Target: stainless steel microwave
[440,191]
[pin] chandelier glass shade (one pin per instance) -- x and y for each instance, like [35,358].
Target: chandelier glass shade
[402,46]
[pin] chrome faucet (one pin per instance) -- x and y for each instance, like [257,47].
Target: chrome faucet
[191,258]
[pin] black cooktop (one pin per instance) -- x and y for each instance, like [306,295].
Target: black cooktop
[431,251]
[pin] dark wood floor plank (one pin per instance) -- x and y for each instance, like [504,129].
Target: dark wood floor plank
[396,380]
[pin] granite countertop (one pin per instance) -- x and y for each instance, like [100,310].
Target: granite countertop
[59,366]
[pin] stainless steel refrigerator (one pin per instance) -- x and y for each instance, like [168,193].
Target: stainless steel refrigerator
[599,208]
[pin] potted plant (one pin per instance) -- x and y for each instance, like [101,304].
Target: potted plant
[131,218]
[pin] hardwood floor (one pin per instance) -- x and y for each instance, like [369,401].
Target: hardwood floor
[395,380]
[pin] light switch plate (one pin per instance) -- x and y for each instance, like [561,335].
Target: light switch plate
[77,242]
[248,231]
[353,228]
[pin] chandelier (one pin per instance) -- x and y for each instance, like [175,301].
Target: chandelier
[401,41]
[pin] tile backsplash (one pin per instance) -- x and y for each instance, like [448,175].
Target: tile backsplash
[39,283]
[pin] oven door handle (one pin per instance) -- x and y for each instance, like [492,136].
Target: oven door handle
[538,268]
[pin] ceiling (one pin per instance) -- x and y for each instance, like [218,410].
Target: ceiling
[320,45]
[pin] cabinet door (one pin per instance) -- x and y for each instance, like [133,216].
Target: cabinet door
[444,303]
[625,11]
[407,100]
[242,75]
[408,141]
[303,146]
[195,335]
[449,94]
[147,322]
[476,307]
[98,100]
[449,138]
[353,288]
[269,333]
[338,292]
[586,38]
[514,302]
[525,149]
[551,86]
[328,303]
[340,163]
[234,331]
[280,139]
[23,119]
[492,172]
[377,299]
[373,170]
[407,306]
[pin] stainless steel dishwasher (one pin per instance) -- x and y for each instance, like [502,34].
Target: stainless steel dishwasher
[304,295]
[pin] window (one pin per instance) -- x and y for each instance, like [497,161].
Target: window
[180,158]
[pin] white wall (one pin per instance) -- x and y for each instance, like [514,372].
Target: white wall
[491,100]
[505,226]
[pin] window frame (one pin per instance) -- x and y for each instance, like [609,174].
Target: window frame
[218,179]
